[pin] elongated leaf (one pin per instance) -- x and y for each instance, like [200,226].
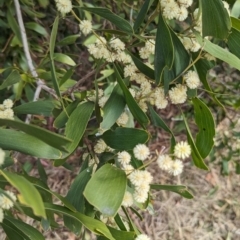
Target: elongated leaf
[14,25]
[220,53]
[206,126]
[125,138]
[75,196]
[28,196]
[136,111]
[77,124]
[63,58]
[158,122]
[143,68]
[68,40]
[62,118]
[106,189]
[120,235]
[113,108]
[215,19]
[37,28]
[24,230]
[53,37]
[55,140]
[196,156]
[92,224]
[13,77]
[164,51]
[21,142]
[235,23]
[44,108]
[112,17]
[181,190]
[11,232]
[234,42]
[141,15]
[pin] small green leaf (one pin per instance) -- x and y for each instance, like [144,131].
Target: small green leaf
[14,25]
[113,108]
[22,142]
[40,107]
[164,51]
[106,189]
[63,58]
[22,229]
[124,138]
[90,223]
[234,43]
[196,156]
[68,40]
[215,19]
[141,15]
[77,123]
[75,196]
[55,140]
[29,195]
[136,111]
[37,28]
[219,52]
[206,126]
[120,235]
[181,190]
[112,17]
[13,77]
[53,37]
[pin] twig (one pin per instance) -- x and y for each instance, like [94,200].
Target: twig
[40,84]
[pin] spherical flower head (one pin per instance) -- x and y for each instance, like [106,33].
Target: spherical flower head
[123,57]
[7,202]
[123,119]
[143,187]
[142,237]
[192,79]
[171,10]
[1,215]
[176,168]
[164,162]
[92,49]
[2,157]
[164,3]
[130,70]
[136,177]
[150,45]
[102,101]
[182,13]
[140,197]
[147,176]
[85,27]
[178,94]
[195,46]
[64,6]
[144,53]
[124,158]
[8,103]
[142,104]
[127,199]
[8,113]
[128,168]
[117,44]
[146,88]
[101,41]
[159,99]
[185,3]
[100,147]
[141,152]
[182,150]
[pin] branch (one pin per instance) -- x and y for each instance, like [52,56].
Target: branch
[40,84]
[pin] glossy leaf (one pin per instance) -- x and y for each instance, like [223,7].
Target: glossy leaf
[112,17]
[44,108]
[164,51]
[14,25]
[220,53]
[206,126]
[13,77]
[215,19]
[53,37]
[92,224]
[113,108]
[11,232]
[141,15]
[136,111]
[22,142]
[29,195]
[234,42]
[55,140]
[37,28]
[196,156]
[22,229]
[77,124]
[125,138]
[63,58]
[181,190]
[106,189]
[75,196]
[120,235]
[68,40]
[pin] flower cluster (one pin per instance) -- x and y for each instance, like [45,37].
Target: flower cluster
[182,150]
[64,6]
[2,157]
[6,202]
[6,111]
[85,27]
[176,9]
